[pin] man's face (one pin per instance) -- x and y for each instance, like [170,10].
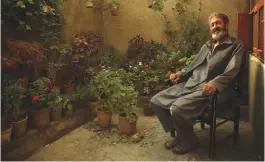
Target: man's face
[218,28]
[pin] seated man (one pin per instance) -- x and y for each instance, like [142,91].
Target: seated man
[213,70]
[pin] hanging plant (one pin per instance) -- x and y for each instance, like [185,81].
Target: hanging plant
[89,4]
[157,5]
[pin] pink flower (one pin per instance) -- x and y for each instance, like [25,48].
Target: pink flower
[146,66]
[169,73]
[48,7]
[49,81]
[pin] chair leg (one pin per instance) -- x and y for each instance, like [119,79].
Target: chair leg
[172,133]
[202,124]
[212,137]
[236,124]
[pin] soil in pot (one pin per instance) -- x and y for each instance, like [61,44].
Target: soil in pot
[125,125]
[41,117]
[6,135]
[56,114]
[20,127]
[104,118]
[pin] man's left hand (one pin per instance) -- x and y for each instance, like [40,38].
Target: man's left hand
[209,89]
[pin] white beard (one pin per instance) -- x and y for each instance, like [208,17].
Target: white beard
[219,35]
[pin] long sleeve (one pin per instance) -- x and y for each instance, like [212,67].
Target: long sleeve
[231,70]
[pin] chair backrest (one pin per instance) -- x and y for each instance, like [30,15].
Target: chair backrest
[242,71]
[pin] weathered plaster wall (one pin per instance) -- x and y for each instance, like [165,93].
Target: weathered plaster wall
[135,17]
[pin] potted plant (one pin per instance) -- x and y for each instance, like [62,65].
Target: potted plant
[122,101]
[104,85]
[150,3]
[80,96]
[68,109]
[6,128]
[42,94]
[114,7]
[58,105]
[13,96]
[89,4]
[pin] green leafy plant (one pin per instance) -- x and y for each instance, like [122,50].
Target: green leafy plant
[158,5]
[123,100]
[12,98]
[110,57]
[60,102]
[106,82]
[81,93]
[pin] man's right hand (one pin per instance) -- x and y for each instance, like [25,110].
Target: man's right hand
[174,77]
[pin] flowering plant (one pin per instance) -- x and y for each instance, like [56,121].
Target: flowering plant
[145,78]
[42,92]
[84,46]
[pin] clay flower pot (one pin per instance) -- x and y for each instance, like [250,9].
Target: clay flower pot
[125,125]
[6,135]
[20,127]
[41,117]
[104,118]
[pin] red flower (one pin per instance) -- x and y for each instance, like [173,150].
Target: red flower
[35,98]
[168,73]
[146,66]
[47,89]
[49,81]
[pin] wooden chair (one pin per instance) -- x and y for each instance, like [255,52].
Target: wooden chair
[209,114]
[233,114]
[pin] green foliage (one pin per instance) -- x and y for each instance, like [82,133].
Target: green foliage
[42,16]
[60,102]
[81,93]
[190,33]
[151,50]
[109,82]
[12,97]
[110,57]
[158,5]
[42,92]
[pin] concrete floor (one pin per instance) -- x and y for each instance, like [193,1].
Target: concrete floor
[83,144]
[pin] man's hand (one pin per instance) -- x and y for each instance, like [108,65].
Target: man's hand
[174,77]
[209,89]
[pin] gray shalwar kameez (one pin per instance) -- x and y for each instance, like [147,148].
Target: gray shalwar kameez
[185,100]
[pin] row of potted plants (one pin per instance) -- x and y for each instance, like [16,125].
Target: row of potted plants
[47,104]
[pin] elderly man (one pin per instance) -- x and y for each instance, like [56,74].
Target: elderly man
[212,71]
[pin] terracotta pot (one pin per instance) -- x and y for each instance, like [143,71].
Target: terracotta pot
[20,127]
[41,117]
[104,118]
[125,125]
[6,136]
[89,4]
[68,89]
[95,105]
[68,114]
[150,3]
[56,114]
